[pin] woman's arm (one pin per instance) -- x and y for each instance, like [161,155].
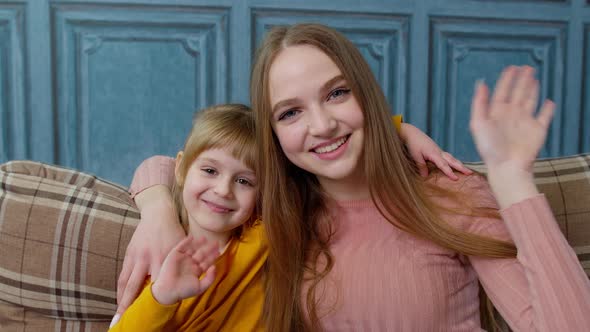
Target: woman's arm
[508,135]
[422,148]
[544,288]
[157,233]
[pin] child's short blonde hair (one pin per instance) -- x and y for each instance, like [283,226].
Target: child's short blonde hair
[227,126]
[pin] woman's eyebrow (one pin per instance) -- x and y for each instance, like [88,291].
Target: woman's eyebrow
[332,81]
[325,86]
[283,103]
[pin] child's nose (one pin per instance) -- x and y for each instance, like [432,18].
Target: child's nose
[223,188]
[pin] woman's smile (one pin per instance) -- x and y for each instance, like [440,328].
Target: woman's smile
[331,150]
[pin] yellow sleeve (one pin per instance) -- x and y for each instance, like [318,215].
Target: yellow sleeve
[146,314]
[397,122]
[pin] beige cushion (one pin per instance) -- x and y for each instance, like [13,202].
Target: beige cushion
[63,236]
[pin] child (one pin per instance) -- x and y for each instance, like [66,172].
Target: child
[215,191]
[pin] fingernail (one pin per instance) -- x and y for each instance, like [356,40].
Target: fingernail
[480,82]
[115,320]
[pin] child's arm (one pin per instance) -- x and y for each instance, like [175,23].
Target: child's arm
[179,277]
[145,314]
[423,148]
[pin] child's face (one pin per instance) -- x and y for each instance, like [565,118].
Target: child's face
[219,192]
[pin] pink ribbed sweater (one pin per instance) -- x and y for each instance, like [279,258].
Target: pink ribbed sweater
[384,279]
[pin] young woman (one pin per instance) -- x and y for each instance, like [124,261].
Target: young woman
[359,242]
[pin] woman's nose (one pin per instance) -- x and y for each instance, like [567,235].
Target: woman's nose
[321,122]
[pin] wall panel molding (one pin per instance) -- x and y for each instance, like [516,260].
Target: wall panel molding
[585,111]
[92,41]
[383,40]
[14,135]
[465,50]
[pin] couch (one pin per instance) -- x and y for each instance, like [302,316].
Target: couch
[63,236]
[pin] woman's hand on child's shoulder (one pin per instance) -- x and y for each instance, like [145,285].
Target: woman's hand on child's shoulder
[422,148]
[180,275]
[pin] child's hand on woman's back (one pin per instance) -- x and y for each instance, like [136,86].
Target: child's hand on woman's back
[179,276]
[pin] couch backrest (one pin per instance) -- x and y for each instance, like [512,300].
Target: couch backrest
[66,232]
[63,236]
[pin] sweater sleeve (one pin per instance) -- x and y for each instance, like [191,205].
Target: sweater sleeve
[397,122]
[146,314]
[544,288]
[153,171]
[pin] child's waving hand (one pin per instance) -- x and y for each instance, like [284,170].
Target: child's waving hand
[179,277]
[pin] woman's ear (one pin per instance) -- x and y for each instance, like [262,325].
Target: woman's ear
[177,176]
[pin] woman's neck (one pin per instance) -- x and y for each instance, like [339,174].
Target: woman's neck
[355,189]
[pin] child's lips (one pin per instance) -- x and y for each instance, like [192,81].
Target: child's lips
[216,207]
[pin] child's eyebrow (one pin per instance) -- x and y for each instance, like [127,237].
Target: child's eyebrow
[250,172]
[210,160]
[246,170]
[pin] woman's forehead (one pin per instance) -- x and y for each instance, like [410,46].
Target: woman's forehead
[297,69]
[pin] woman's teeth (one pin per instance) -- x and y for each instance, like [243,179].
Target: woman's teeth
[331,147]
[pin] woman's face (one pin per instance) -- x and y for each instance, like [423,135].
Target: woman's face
[315,116]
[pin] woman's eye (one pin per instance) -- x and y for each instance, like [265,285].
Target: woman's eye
[338,93]
[288,114]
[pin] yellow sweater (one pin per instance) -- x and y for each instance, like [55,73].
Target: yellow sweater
[397,122]
[232,303]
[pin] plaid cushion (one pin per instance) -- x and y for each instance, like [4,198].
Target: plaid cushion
[14,318]
[565,182]
[63,236]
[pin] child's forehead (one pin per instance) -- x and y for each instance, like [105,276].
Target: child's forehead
[225,154]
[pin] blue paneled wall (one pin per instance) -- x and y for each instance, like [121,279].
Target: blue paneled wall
[101,85]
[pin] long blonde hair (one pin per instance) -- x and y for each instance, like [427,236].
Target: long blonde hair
[294,206]
[227,126]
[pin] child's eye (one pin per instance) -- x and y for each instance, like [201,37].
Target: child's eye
[337,93]
[288,114]
[244,181]
[209,170]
